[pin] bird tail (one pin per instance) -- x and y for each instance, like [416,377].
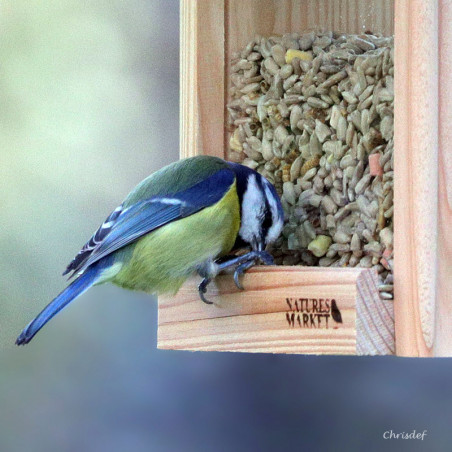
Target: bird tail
[76,288]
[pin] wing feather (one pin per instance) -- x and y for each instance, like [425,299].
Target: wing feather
[94,241]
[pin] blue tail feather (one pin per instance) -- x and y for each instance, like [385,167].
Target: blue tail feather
[76,288]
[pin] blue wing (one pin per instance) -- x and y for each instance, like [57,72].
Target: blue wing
[128,224]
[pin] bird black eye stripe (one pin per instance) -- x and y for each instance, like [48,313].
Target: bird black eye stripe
[268,220]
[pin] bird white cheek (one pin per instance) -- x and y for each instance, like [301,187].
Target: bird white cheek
[275,231]
[253,206]
[278,222]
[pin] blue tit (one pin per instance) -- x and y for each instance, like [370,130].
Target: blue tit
[184,219]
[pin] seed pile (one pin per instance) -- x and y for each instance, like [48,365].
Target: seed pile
[313,113]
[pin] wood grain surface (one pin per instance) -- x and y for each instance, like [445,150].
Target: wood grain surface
[282,310]
[202,85]
[416,175]
[245,18]
[443,332]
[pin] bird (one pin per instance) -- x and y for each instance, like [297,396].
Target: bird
[200,215]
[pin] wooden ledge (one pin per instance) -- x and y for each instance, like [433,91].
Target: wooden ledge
[282,310]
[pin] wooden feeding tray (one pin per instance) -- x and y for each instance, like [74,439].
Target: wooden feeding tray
[294,309]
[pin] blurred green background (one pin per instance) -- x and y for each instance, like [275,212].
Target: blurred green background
[89,106]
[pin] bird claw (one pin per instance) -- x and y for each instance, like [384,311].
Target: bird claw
[240,270]
[241,264]
[202,289]
[247,261]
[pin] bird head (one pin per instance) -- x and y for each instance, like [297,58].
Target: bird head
[262,215]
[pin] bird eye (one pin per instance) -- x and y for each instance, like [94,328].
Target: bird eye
[268,221]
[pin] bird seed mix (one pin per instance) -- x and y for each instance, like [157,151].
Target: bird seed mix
[314,114]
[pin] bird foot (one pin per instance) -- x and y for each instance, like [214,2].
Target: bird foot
[249,260]
[241,264]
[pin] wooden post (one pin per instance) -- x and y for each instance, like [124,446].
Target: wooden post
[202,78]
[416,175]
[443,331]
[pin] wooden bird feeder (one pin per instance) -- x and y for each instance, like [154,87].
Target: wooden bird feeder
[312,310]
